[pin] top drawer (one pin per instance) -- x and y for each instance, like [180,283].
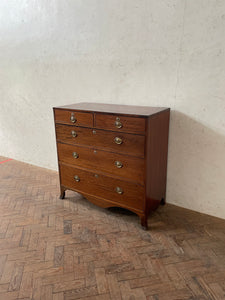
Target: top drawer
[120,123]
[73,117]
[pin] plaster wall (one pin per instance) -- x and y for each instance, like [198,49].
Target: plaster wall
[141,52]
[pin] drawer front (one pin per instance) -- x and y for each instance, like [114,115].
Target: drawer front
[74,117]
[126,193]
[119,142]
[120,123]
[113,163]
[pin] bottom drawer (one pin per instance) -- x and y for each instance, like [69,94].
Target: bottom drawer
[130,195]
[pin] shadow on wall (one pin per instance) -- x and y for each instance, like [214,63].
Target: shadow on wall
[196,166]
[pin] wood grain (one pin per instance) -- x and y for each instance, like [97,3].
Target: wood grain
[102,186]
[58,256]
[104,161]
[82,118]
[67,226]
[131,110]
[129,124]
[156,159]
[100,139]
[16,277]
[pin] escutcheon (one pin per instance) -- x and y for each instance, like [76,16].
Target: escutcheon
[77,178]
[119,190]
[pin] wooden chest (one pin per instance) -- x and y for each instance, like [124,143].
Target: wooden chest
[114,155]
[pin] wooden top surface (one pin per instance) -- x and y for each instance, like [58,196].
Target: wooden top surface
[115,108]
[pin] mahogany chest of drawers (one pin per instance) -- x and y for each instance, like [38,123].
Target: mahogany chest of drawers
[114,155]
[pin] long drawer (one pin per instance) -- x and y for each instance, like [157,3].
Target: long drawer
[119,142]
[112,163]
[126,193]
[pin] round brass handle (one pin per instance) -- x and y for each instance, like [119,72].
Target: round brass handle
[118,124]
[118,164]
[75,155]
[74,134]
[119,190]
[72,118]
[76,177]
[118,140]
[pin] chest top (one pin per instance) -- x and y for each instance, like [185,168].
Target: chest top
[114,109]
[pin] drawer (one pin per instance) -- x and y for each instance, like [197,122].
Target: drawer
[108,162]
[120,123]
[74,117]
[126,193]
[113,141]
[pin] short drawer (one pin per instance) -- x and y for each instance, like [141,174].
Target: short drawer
[113,163]
[112,141]
[127,194]
[120,123]
[73,117]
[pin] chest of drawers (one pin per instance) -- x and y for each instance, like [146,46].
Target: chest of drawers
[114,155]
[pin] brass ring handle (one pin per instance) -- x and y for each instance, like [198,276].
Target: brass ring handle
[119,190]
[74,134]
[76,177]
[118,124]
[118,140]
[118,164]
[72,118]
[75,155]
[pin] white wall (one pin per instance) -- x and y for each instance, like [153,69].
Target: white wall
[143,52]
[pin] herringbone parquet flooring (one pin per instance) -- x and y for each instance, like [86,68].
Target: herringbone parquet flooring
[71,249]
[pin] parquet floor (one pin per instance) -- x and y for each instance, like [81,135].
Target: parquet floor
[71,249]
